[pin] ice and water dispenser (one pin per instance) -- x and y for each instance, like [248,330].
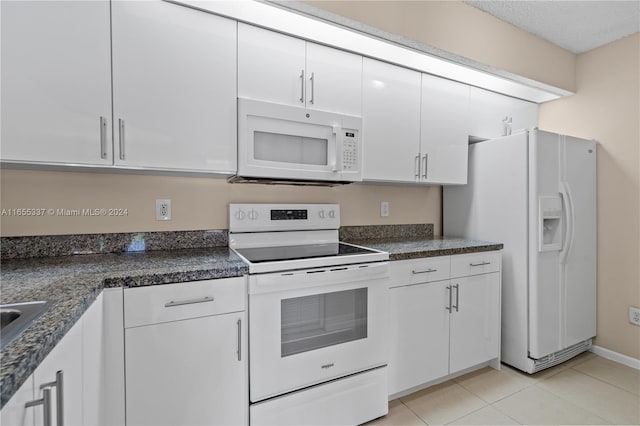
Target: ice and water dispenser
[550,225]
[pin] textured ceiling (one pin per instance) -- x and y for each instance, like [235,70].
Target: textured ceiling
[577,26]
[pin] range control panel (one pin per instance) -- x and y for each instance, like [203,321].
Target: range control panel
[283,217]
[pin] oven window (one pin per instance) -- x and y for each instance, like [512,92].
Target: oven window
[321,320]
[290,149]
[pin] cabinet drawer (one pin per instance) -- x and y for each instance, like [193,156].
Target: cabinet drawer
[172,302]
[414,271]
[463,265]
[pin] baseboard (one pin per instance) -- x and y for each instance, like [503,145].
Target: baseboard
[615,356]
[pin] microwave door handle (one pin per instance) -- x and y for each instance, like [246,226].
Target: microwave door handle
[337,160]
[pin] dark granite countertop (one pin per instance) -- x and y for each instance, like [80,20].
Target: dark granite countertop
[414,248]
[72,283]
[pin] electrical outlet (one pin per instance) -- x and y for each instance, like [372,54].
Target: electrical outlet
[634,315]
[163,209]
[384,208]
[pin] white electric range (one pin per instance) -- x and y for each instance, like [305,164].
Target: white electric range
[316,316]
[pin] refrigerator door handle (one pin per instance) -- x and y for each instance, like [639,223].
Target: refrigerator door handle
[569,222]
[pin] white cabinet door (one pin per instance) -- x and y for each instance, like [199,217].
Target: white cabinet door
[494,115]
[271,66]
[418,335]
[56,82]
[391,122]
[475,324]
[187,372]
[444,131]
[334,80]
[14,412]
[66,357]
[174,88]
[93,362]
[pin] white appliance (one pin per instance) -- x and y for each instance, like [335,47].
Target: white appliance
[535,192]
[288,143]
[316,316]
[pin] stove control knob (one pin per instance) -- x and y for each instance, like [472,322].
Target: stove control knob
[239,214]
[321,214]
[253,214]
[332,214]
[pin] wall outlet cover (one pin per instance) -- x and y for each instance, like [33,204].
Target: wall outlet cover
[163,209]
[634,315]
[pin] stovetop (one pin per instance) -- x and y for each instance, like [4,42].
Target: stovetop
[284,253]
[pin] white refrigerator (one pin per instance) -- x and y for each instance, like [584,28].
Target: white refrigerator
[535,192]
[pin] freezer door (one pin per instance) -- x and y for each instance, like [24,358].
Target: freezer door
[562,270]
[545,294]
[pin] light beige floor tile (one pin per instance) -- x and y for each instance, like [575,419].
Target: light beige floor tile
[443,403]
[577,360]
[612,372]
[536,406]
[485,416]
[399,415]
[492,385]
[609,402]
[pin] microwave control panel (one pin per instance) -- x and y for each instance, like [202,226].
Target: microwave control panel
[350,151]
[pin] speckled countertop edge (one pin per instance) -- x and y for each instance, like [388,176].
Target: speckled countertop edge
[415,248]
[72,283]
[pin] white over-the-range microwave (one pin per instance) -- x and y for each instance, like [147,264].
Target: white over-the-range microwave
[281,142]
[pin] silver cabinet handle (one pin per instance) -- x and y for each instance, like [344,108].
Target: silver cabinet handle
[188,302]
[457,305]
[59,385]
[302,86]
[426,271]
[312,79]
[448,308]
[239,339]
[417,166]
[480,264]
[425,162]
[45,401]
[121,137]
[103,137]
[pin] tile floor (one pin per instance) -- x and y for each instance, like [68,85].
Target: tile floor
[585,390]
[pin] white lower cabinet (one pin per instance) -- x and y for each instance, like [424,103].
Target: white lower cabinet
[475,323]
[185,354]
[61,373]
[442,322]
[15,412]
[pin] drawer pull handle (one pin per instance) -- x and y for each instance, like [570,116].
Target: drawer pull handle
[426,271]
[59,385]
[188,302]
[45,401]
[480,264]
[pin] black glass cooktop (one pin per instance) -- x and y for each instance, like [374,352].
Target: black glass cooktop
[276,254]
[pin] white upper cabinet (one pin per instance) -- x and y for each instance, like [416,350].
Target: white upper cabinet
[271,66]
[334,80]
[493,115]
[391,122]
[277,68]
[174,88]
[444,131]
[56,82]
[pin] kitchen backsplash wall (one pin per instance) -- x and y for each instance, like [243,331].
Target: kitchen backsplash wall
[62,203]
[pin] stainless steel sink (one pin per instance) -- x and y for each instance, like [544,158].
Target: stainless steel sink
[17,317]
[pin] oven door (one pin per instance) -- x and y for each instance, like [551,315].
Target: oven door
[284,142]
[310,326]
